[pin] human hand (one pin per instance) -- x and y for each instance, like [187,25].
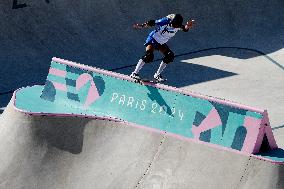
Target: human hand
[189,24]
[138,26]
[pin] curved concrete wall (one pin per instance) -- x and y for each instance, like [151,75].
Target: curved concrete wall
[72,152]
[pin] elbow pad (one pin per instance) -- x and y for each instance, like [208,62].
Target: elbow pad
[151,23]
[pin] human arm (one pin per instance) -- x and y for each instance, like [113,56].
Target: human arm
[188,26]
[151,23]
[147,24]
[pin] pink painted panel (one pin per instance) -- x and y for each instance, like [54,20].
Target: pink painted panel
[252,125]
[93,93]
[211,121]
[59,86]
[60,73]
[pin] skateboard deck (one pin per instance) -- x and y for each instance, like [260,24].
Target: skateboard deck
[146,80]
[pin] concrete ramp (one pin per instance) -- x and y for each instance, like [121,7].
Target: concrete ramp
[76,89]
[90,128]
[75,152]
[56,152]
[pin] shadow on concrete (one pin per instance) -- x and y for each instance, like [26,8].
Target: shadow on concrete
[275,154]
[279,127]
[180,74]
[236,52]
[64,135]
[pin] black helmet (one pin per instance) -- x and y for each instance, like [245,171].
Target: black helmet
[177,20]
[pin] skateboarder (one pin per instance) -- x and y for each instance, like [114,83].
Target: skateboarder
[156,40]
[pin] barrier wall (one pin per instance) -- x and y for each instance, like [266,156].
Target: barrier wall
[73,88]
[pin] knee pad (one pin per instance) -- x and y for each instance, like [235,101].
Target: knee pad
[169,57]
[148,57]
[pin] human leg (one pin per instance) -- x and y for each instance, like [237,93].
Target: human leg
[169,57]
[148,57]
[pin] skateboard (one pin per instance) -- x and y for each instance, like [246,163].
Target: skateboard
[146,80]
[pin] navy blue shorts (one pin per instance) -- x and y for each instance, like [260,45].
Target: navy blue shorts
[151,41]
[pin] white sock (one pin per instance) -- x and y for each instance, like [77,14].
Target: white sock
[161,68]
[139,65]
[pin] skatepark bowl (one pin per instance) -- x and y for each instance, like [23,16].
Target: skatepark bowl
[79,120]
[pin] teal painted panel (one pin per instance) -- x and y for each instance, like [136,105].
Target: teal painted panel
[135,103]
[56,79]
[254,114]
[57,65]
[90,93]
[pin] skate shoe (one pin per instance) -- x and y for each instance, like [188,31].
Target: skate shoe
[135,76]
[159,78]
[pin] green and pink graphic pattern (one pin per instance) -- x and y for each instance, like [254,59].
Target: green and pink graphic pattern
[75,89]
